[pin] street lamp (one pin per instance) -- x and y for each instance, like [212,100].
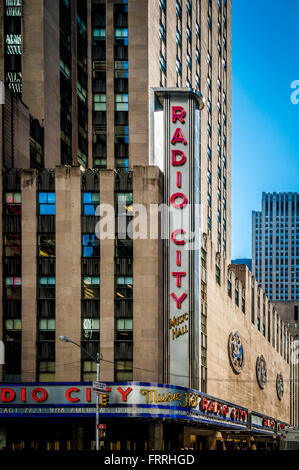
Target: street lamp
[97,359]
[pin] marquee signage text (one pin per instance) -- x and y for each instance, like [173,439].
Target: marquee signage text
[75,398]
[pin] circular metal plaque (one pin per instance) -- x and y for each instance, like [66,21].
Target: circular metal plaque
[236,351]
[261,371]
[279,385]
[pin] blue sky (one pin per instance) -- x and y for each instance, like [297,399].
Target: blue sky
[265,124]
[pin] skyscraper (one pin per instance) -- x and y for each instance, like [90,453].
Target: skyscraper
[275,246]
[84,69]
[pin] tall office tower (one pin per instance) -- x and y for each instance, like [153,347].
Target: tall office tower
[275,246]
[84,69]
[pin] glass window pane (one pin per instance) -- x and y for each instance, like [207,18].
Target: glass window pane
[51,324]
[17,324]
[89,209]
[17,198]
[86,198]
[128,324]
[121,107]
[9,324]
[47,209]
[42,198]
[120,324]
[51,198]
[43,324]
[95,197]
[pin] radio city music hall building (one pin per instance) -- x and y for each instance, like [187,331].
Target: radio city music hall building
[193,353]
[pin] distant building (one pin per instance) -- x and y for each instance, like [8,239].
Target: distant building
[246,261]
[275,246]
[288,311]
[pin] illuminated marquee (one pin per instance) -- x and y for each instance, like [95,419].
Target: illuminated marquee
[130,399]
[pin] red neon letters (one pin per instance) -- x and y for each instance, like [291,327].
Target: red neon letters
[68,394]
[178,205]
[180,300]
[124,393]
[178,200]
[178,157]
[178,277]
[178,136]
[178,113]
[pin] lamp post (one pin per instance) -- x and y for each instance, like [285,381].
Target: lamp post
[97,361]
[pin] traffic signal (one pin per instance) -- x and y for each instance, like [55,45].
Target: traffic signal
[105,399]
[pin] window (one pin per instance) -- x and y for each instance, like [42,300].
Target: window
[99,102]
[46,370]
[46,203]
[13,203]
[123,370]
[121,102]
[124,329]
[81,92]
[124,287]
[121,69]
[46,245]
[46,329]
[91,287]
[90,245]
[121,32]
[46,287]
[124,202]
[217,274]
[124,249]
[12,287]
[98,34]
[90,203]
[13,324]
[236,297]
[229,288]
[12,244]
[91,328]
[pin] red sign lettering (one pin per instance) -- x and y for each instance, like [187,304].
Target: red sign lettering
[174,234]
[180,300]
[204,404]
[7,394]
[179,205]
[178,136]
[124,393]
[178,113]
[178,277]
[175,161]
[68,394]
[23,394]
[36,391]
